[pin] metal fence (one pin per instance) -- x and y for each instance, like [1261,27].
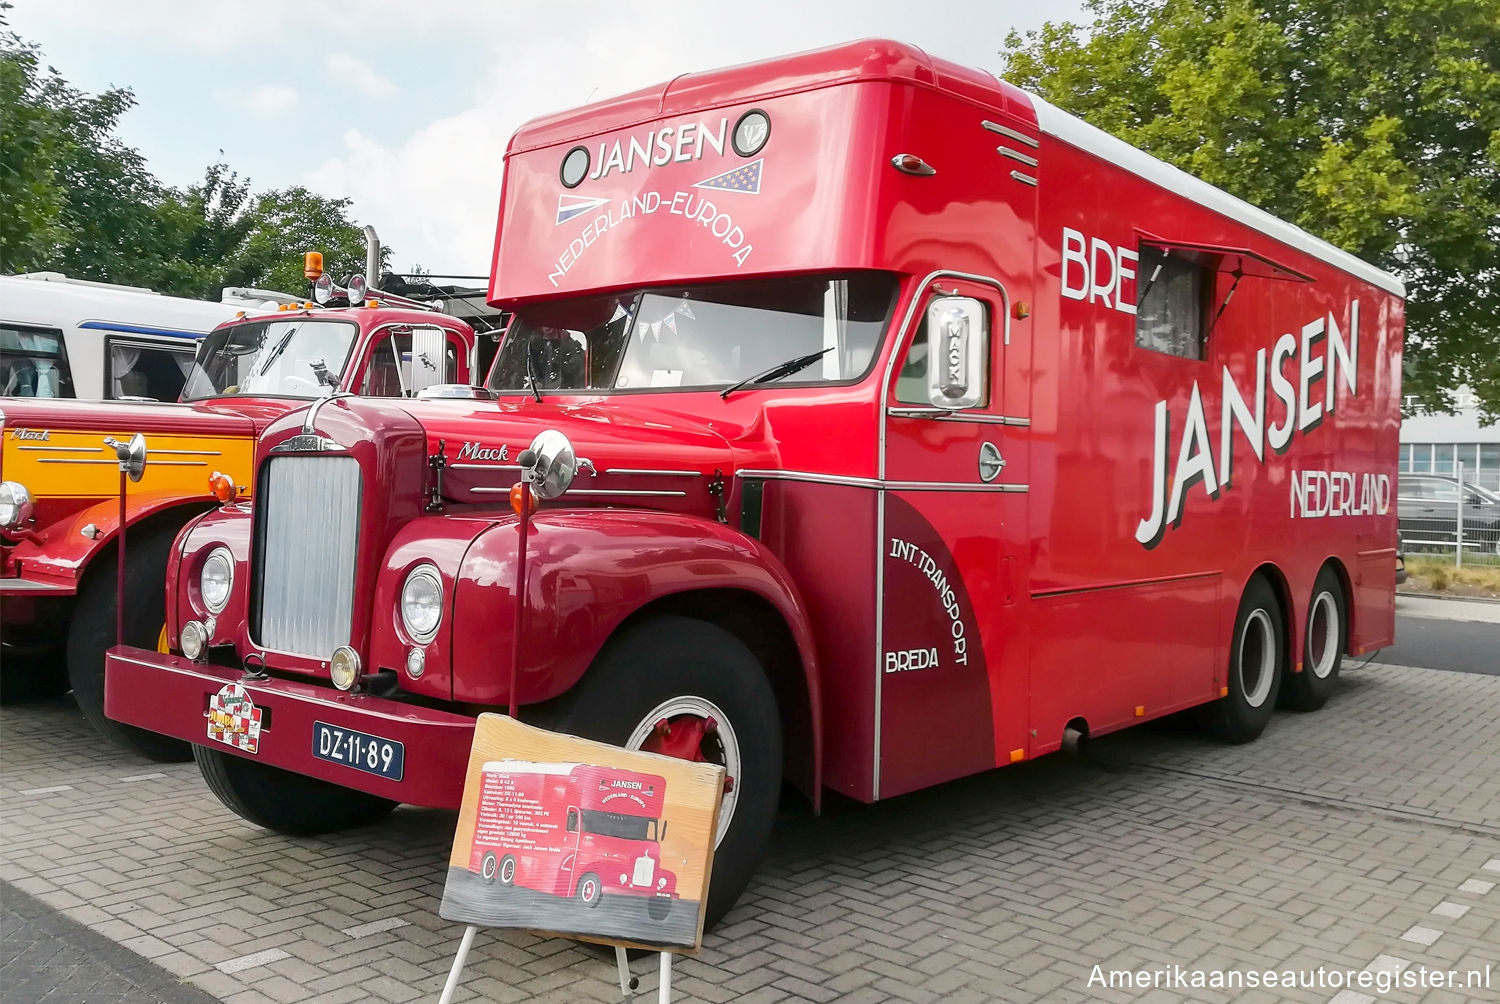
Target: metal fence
[1449,516]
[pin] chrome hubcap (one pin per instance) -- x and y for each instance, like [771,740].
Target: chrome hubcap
[1257,662]
[694,728]
[1323,635]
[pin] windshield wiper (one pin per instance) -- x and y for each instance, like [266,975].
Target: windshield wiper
[536,391]
[778,371]
[277,351]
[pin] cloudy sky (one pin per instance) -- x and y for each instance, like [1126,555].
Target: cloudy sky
[406,107]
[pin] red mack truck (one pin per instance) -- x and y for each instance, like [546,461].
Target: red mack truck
[587,832]
[59,498]
[888,424]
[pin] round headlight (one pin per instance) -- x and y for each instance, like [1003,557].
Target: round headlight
[422,603]
[216,579]
[15,504]
[343,668]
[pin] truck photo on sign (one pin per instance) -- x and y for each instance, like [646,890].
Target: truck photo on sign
[568,836]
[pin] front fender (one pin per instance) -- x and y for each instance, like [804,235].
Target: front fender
[587,571]
[64,552]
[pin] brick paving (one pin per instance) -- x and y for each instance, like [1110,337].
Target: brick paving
[1343,839]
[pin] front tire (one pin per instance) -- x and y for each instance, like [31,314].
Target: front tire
[487,868]
[92,632]
[1257,661]
[285,802]
[589,890]
[679,663]
[1322,649]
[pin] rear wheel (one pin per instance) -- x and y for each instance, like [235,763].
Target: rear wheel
[92,632]
[1256,663]
[1322,649]
[508,870]
[689,689]
[285,802]
[487,868]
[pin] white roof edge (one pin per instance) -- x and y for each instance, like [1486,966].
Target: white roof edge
[1076,132]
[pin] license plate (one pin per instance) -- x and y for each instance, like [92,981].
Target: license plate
[382,757]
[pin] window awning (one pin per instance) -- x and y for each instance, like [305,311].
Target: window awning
[1238,262]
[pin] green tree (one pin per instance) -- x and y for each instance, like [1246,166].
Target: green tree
[1374,124]
[71,191]
[79,200]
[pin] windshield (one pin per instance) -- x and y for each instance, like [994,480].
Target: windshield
[700,336]
[618,824]
[291,357]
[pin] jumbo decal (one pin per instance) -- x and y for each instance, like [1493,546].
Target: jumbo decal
[233,719]
[1303,406]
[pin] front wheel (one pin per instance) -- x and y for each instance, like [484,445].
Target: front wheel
[589,890]
[689,689]
[487,868]
[92,632]
[285,802]
[1323,648]
[1257,661]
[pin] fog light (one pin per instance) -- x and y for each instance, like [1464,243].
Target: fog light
[194,640]
[416,663]
[343,668]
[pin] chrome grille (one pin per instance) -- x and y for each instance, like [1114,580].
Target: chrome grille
[309,525]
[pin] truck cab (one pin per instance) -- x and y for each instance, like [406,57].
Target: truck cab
[59,501]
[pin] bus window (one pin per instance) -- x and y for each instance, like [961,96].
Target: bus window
[138,370]
[33,363]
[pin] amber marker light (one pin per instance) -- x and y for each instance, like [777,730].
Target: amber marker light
[522,502]
[222,487]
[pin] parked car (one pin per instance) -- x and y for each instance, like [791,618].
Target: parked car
[1400,568]
[1428,509]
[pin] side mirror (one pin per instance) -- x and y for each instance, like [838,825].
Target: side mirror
[958,347]
[131,455]
[554,464]
[429,358]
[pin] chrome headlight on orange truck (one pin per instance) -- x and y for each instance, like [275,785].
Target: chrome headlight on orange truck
[15,504]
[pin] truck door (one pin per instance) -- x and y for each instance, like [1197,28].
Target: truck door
[951,691]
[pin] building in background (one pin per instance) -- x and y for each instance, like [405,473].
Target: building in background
[1437,444]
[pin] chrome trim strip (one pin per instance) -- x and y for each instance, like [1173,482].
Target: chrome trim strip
[1019,137]
[1024,178]
[589,493]
[641,472]
[939,415]
[64,449]
[879,636]
[154,463]
[187,453]
[597,492]
[1006,151]
[849,481]
[484,467]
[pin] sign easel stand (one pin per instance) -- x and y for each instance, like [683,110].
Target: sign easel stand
[628,983]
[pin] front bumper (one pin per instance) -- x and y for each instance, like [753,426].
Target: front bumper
[169,694]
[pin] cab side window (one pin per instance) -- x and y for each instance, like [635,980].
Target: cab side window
[1171,303]
[390,368]
[33,363]
[911,382]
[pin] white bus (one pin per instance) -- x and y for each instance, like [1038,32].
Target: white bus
[63,337]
